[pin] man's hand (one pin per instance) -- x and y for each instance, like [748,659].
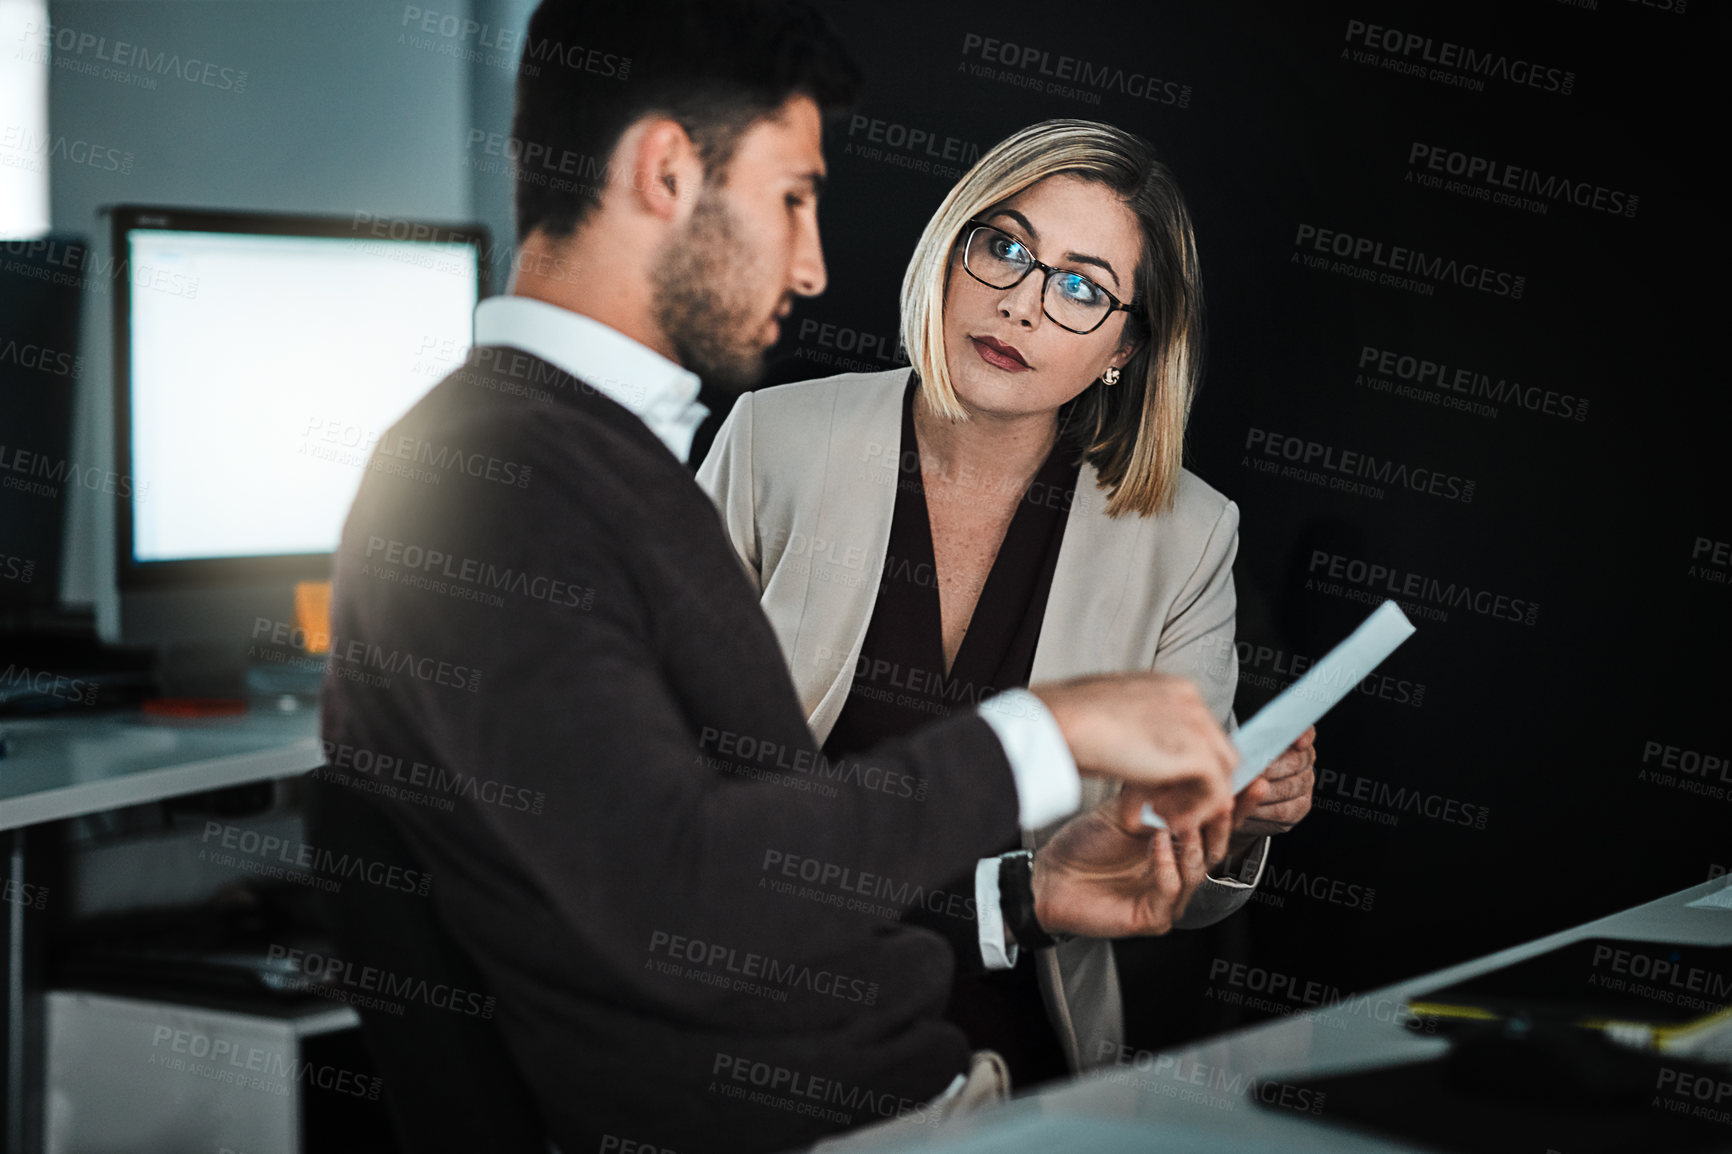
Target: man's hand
[1152,730]
[1103,878]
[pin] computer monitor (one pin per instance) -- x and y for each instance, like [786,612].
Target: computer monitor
[258,360]
[40,300]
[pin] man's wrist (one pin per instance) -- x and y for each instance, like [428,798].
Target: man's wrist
[1016,899]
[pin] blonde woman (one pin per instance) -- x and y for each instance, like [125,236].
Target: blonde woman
[1013,507]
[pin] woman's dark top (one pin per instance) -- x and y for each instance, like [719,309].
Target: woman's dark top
[900,683]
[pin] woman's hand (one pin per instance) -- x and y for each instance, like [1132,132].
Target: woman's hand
[1290,779]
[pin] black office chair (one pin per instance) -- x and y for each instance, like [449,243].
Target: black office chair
[450,1084]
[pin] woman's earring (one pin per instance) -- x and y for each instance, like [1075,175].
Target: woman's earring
[1110,377]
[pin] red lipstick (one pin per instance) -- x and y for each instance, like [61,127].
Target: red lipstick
[999,355]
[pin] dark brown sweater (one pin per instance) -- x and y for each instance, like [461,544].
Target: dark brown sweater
[551,678]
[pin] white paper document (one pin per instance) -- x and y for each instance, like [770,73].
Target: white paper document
[1298,707]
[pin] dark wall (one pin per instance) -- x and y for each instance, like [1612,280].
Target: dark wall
[1531,470]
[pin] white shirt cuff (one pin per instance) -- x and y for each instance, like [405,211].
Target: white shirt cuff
[1253,865]
[993,951]
[1047,784]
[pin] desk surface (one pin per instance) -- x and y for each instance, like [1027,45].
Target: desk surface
[1165,1102]
[67,766]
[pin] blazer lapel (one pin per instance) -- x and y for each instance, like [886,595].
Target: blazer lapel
[1081,632]
[849,538]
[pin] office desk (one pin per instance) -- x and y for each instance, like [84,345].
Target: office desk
[62,767]
[1164,1102]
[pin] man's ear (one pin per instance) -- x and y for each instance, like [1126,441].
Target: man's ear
[665,169]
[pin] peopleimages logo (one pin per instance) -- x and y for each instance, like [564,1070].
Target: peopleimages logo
[29,895]
[1418,594]
[1273,668]
[1337,791]
[1026,66]
[744,755]
[323,868]
[1711,560]
[864,131]
[1675,7]
[1415,54]
[250,1067]
[81,266]
[873,350]
[1398,266]
[1307,455]
[467,578]
[23,681]
[401,779]
[1191,1081]
[1667,975]
[504,47]
[374,987]
[1689,770]
[86,52]
[859,891]
[1696,1095]
[801,1092]
[19,569]
[1271,991]
[355,660]
[1453,387]
[1278,882]
[19,465]
[1499,183]
[728,967]
[41,359]
[33,149]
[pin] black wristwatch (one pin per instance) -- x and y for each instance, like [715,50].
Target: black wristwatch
[1016,901]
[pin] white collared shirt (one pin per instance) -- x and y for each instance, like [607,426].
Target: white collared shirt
[657,391]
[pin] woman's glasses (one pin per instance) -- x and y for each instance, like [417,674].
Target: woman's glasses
[1070,300]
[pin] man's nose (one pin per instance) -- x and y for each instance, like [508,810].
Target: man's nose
[807,275]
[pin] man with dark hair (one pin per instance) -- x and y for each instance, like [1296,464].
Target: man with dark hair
[712,77]
[553,690]
[715,77]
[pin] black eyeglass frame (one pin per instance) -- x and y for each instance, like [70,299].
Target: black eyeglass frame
[1046,281]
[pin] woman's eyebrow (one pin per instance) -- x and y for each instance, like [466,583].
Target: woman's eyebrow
[1084,258]
[1073,257]
[1019,219]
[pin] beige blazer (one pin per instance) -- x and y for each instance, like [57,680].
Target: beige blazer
[805,478]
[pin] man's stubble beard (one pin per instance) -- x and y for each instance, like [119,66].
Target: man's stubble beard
[700,287]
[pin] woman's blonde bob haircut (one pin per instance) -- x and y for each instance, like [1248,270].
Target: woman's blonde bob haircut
[1133,433]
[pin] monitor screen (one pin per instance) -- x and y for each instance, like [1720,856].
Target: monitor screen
[263,359]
